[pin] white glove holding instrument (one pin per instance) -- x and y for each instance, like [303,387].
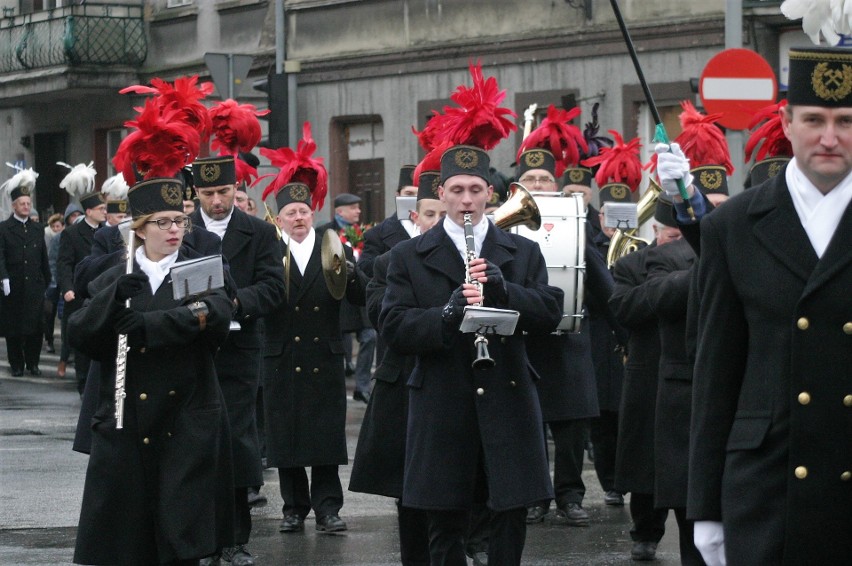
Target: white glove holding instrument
[709,539]
[671,166]
[6,288]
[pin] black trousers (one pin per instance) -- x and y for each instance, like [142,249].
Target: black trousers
[505,544]
[413,536]
[689,555]
[604,431]
[325,495]
[649,524]
[568,449]
[242,516]
[23,349]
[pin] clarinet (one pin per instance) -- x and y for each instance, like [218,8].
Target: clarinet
[483,359]
[121,355]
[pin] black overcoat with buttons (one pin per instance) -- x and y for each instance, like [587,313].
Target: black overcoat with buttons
[304,388]
[75,243]
[634,454]
[251,248]
[669,277]
[23,260]
[161,488]
[458,417]
[771,447]
[379,240]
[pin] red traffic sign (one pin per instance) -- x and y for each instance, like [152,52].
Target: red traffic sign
[737,83]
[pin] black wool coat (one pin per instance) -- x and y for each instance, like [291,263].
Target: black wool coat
[304,390]
[380,454]
[771,444]
[459,417]
[75,243]
[379,240]
[251,248]
[23,261]
[669,276]
[634,454]
[161,488]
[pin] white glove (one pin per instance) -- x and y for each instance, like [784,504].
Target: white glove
[6,288]
[709,539]
[671,166]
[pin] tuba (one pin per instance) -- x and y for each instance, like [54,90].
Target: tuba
[519,209]
[624,242]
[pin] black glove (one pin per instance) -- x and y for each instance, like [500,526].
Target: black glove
[494,288]
[129,285]
[454,309]
[350,271]
[127,321]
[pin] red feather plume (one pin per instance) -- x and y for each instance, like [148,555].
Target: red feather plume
[478,120]
[559,137]
[184,95]
[160,146]
[298,166]
[235,128]
[619,163]
[433,132]
[432,161]
[701,140]
[771,133]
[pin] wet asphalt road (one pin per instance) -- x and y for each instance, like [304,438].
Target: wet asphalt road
[41,485]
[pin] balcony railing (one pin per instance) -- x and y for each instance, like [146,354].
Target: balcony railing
[87,34]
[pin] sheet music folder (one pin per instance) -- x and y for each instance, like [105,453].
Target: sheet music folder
[195,277]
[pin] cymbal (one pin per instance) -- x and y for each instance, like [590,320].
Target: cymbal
[333,264]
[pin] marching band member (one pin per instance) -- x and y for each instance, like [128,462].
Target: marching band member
[470,430]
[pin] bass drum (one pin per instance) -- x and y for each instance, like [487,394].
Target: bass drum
[562,239]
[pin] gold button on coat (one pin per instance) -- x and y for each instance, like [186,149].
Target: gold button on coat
[316,309]
[298,369]
[804,398]
[143,396]
[801,472]
[142,350]
[316,370]
[480,391]
[316,338]
[512,383]
[296,309]
[846,476]
[803,323]
[297,339]
[847,401]
[172,393]
[847,328]
[146,440]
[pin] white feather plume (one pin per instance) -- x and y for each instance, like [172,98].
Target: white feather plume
[80,180]
[115,188]
[831,18]
[23,178]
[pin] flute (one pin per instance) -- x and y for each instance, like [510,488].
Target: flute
[121,354]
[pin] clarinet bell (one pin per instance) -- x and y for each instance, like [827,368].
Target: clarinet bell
[483,359]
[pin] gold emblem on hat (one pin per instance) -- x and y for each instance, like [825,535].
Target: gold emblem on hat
[122,206]
[299,193]
[466,158]
[534,159]
[171,194]
[774,168]
[618,192]
[710,180]
[210,172]
[832,83]
[435,184]
[576,175]
[25,191]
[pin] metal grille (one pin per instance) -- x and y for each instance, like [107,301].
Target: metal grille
[103,34]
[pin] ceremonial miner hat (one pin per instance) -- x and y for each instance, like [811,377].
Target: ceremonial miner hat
[664,211]
[554,145]
[214,171]
[820,76]
[155,195]
[406,177]
[236,132]
[775,149]
[22,183]
[115,190]
[427,175]
[578,174]
[619,169]
[501,189]
[703,142]
[301,176]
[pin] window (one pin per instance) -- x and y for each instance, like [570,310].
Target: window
[178,3]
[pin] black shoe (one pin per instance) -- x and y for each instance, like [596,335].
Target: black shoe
[349,370]
[644,551]
[34,372]
[238,556]
[17,372]
[292,523]
[613,498]
[361,396]
[330,524]
[210,561]
[572,514]
[480,559]
[536,514]
[255,498]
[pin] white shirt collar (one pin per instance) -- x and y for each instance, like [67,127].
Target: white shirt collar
[92,226]
[456,234]
[301,252]
[155,270]
[22,220]
[218,227]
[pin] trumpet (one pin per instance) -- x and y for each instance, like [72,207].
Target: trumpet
[483,358]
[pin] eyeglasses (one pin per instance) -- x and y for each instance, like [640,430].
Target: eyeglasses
[539,180]
[166,223]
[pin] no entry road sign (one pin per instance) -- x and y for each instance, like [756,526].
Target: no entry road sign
[736,83]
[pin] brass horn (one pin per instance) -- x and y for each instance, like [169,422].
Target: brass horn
[624,242]
[519,209]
